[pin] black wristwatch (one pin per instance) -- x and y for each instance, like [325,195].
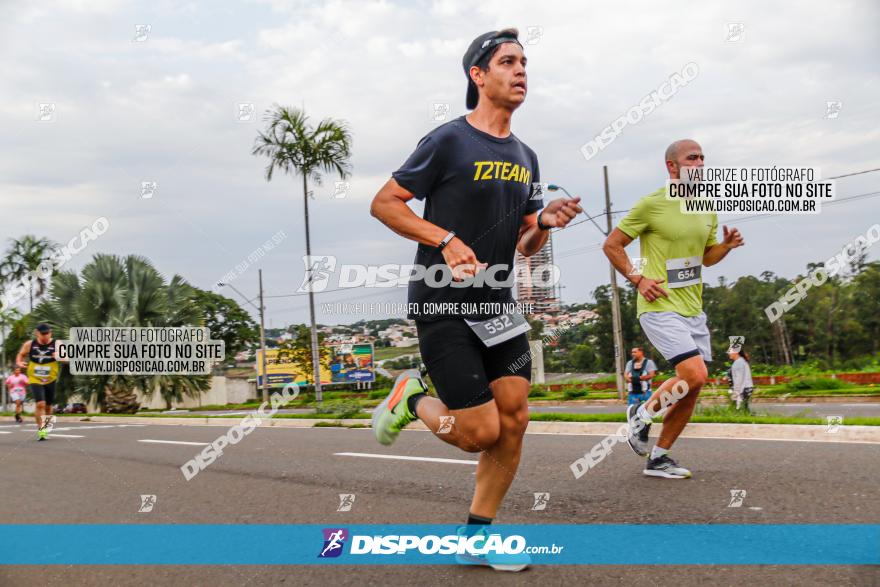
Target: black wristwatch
[541,225]
[449,236]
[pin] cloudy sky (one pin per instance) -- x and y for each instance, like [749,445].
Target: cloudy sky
[162,106]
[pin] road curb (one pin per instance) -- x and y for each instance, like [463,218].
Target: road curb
[793,432]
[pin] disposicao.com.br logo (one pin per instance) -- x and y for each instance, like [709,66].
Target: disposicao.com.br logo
[334,541]
[320,271]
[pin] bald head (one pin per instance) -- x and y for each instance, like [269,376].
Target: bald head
[683,153]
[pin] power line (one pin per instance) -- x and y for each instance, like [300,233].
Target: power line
[858,197]
[613,213]
[568,253]
[598,246]
[589,218]
[854,173]
[744,219]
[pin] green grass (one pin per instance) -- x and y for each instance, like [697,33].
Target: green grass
[329,416]
[245,406]
[606,379]
[337,425]
[779,390]
[392,352]
[341,409]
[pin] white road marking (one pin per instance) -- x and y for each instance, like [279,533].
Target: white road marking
[175,442]
[52,435]
[5,432]
[77,426]
[405,458]
[85,427]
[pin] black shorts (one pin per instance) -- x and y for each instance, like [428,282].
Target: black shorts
[44,392]
[461,366]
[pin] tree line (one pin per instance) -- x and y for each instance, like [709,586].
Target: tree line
[835,326]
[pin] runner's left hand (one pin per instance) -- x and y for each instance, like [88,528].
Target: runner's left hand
[559,213]
[732,238]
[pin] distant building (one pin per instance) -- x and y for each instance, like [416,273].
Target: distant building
[532,275]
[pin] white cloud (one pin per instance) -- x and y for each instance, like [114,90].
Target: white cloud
[165,110]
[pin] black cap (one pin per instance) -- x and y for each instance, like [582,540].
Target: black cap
[43,328]
[478,48]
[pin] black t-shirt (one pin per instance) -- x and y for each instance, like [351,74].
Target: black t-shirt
[480,187]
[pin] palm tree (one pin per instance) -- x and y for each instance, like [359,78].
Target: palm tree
[22,261]
[8,318]
[128,291]
[175,387]
[295,148]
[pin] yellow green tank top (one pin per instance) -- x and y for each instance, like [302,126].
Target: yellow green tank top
[42,367]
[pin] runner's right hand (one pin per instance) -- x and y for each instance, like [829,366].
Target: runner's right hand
[651,290]
[461,260]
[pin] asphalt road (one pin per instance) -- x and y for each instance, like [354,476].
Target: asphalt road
[97,472]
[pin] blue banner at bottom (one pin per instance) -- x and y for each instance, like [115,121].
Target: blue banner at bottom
[378,544]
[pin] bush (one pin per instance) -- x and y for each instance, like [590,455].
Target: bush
[805,383]
[339,409]
[574,393]
[537,391]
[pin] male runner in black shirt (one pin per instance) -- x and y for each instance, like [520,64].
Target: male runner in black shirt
[482,197]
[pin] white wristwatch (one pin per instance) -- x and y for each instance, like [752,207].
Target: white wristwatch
[449,236]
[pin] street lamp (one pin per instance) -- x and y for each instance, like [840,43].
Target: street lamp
[615,295]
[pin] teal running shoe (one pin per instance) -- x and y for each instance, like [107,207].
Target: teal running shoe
[499,562]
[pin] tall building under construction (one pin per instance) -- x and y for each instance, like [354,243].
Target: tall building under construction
[535,282]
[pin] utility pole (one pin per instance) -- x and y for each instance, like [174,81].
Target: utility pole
[260,309]
[263,339]
[615,301]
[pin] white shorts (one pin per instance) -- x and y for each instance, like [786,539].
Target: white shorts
[677,337]
[17,396]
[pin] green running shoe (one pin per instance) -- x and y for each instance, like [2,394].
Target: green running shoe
[390,417]
[499,562]
[41,434]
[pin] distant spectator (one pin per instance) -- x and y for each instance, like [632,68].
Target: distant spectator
[639,372]
[740,379]
[17,385]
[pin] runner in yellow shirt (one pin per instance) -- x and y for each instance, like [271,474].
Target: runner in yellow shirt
[42,371]
[675,247]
